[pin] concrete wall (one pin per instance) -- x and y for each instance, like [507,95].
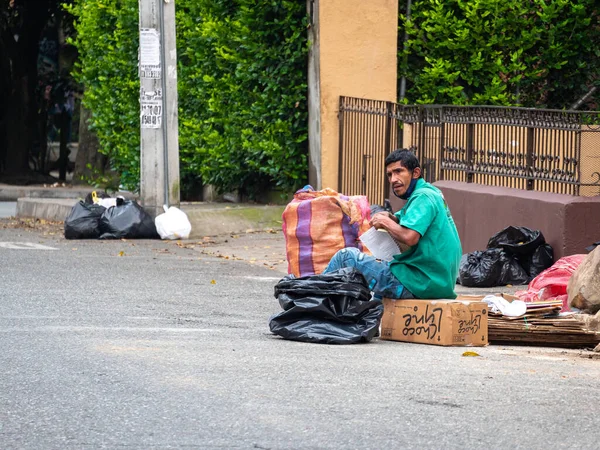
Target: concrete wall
[568,223]
[355,44]
[590,160]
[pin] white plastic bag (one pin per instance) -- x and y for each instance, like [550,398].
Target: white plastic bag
[173,224]
[107,202]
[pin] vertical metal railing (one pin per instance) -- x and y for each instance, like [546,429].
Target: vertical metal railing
[542,150]
[366,135]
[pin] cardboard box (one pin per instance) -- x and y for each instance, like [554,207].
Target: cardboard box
[504,295]
[436,322]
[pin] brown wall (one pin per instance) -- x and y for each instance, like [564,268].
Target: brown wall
[568,223]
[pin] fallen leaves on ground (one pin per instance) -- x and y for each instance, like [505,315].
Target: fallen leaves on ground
[184,245]
[43,225]
[471,354]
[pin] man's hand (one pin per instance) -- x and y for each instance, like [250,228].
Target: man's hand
[383,220]
[390,223]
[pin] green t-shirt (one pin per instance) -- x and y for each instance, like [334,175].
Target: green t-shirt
[429,268]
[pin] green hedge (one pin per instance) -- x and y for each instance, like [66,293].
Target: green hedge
[107,42]
[242,90]
[243,65]
[536,53]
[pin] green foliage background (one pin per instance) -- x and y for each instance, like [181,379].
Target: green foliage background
[535,53]
[243,68]
[242,90]
[107,41]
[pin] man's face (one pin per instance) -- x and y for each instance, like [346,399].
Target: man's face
[400,177]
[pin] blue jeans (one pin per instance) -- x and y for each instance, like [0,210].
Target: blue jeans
[380,278]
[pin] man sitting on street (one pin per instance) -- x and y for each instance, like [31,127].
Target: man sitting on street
[429,266]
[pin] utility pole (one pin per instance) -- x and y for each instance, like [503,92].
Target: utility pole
[159,144]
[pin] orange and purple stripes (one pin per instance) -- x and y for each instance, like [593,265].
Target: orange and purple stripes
[316,227]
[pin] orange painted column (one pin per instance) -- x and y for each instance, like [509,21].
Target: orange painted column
[354,45]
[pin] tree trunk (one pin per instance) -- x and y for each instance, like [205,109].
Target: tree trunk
[43,125]
[88,159]
[18,134]
[4,86]
[63,160]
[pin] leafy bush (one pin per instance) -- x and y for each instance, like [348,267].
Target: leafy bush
[537,53]
[242,89]
[107,42]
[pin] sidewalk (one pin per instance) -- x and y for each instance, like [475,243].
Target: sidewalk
[208,219]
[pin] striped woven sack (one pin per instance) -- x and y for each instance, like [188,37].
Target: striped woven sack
[317,224]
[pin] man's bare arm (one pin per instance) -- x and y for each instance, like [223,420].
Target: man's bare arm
[389,222]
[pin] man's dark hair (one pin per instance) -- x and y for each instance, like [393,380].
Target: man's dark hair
[405,157]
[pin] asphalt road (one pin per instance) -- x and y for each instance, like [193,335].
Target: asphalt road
[167,346]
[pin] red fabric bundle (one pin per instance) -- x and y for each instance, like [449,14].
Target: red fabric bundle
[552,282]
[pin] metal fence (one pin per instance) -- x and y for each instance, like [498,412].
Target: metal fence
[533,149]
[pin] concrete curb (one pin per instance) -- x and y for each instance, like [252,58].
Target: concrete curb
[55,209]
[9,193]
[207,219]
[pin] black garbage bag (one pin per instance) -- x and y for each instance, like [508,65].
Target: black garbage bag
[517,240]
[491,267]
[127,220]
[387,207]
[333,308]
[592,247]
[527,246]
[83,221]
[541,259]
[481,268]
[512,271]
